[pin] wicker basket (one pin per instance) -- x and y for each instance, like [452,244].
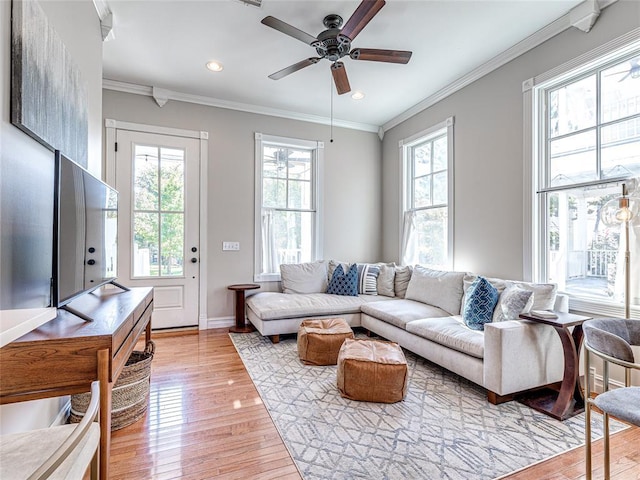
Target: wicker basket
[130,393]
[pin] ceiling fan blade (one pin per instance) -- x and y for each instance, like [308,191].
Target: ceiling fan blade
[340,78]
[363,15]
[294,68]
[377,55]
[625,77]
[290,30]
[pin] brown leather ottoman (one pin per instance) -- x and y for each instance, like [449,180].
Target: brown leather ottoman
[372,371]
[319,341]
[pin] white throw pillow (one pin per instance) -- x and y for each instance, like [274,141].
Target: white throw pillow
[544,294]
[435,287]
[512,302]
[401,280]
[469,278]
[304,277]
[386,279]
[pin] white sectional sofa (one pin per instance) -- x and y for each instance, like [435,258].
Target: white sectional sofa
[507,357]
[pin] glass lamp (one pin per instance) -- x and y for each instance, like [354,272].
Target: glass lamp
[625,211]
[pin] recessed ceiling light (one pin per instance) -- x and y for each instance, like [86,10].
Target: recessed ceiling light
[214,66]
[357,95]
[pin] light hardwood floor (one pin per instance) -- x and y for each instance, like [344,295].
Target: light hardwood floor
[206,420]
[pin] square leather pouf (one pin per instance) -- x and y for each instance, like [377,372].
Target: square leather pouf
[319,341]
[372,371]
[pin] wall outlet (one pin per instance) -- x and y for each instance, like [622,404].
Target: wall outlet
[235,246]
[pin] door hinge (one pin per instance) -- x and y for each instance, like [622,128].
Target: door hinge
[116,146]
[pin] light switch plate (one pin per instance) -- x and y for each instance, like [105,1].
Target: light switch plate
[233,246]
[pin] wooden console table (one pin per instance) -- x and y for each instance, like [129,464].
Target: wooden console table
[66,354]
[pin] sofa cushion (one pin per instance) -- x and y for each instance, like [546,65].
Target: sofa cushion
[401,311]
[481,300]
[544,294]
[367,282]
[469,278]
[308,277]
[344,283]
[451,332]
[441,289]
[386,279]
[274,305]
[512,302]
[401,280]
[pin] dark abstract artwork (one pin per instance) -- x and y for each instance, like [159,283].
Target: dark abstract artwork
[48,96]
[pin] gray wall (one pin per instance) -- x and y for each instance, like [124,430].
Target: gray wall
[352,184]
[26,178]
[488,136]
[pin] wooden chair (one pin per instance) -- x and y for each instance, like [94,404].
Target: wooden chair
[60,452]
[611,340]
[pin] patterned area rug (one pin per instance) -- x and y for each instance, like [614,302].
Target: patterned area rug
[444,429]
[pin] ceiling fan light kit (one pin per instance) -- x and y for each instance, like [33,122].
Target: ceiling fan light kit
[334,43]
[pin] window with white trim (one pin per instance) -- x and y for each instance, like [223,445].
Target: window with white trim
[587,144]
[426,231]
[287,222]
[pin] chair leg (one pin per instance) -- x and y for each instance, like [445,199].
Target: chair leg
[607,458]
[587,418]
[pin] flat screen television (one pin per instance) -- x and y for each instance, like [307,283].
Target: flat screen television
[85,233]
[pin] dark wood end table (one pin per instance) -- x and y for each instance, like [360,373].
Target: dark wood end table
[241,326]
[569,401]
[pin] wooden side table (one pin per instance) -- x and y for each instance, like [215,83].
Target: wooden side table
[241,326]
[570,400]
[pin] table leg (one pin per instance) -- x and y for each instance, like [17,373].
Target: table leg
[241,326]
[104,358]
[569,399]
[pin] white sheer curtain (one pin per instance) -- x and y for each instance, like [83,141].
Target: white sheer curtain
[269,254]
[408,253]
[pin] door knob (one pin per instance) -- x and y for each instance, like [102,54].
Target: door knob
[194,260]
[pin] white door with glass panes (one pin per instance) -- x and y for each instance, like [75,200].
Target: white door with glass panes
[157,177]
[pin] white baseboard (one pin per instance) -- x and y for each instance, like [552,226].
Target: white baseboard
[220,322]
[597,381]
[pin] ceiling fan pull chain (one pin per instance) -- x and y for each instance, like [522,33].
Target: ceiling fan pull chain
[331,94]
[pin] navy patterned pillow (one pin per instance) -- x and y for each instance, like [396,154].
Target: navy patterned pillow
[344,283]
[481,299]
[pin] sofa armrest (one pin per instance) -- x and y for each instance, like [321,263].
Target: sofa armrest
[519,355]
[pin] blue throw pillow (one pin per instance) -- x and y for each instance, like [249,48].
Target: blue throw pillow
[344,283]
[480,302]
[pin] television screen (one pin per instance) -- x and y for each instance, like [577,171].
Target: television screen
[85,232]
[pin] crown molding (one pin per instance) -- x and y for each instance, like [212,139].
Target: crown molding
[242,107]
[551,30]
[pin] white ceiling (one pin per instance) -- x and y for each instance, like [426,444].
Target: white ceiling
[166,44]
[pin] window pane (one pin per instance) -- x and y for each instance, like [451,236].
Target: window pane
[293,233]
[172,244]
[422,159]
[274,193]
[620,90]
[145,174]
[431,237]
[299,194]
[582,253]
[573,159]
[440,188]
[422,192]
[300,164]
[572,107]
[145,244]
[620,145]
[274,162]
[172,180]
[440,154]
